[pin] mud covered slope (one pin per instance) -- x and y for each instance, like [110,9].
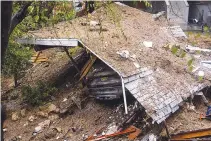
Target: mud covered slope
[123,27]
[160,81]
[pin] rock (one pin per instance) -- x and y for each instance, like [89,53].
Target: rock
[37,129]
[191,107]
[152,137]
[66,111]
[66,106]
[42,114]
[23,112]
[93,23]
[84,136]
[18,138]
[201,75]
[147,43]
[136,65]
[41,126]
[50,133]
[124,53]
[159,14]
[26,124]
[52,108]
[34,133]
[77,101]
[45,123]
[58,129]
[53,117]
[31,118]
[63,111]
[48,108]
[15,116]
[65,99]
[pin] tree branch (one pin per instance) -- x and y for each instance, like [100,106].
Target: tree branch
[19,16]
[6,13]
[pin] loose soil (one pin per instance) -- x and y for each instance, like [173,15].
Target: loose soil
[125,30]
[188,120]
[136,27]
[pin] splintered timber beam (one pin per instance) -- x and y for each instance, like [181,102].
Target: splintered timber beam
[192,134]
[87,66]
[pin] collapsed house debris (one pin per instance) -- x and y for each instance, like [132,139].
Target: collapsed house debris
[161,82]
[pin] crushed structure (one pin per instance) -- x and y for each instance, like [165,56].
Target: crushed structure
[157,78]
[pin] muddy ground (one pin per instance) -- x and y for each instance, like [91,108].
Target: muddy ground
[186,119]
[79,123]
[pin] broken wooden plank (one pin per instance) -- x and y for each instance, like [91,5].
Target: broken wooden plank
[87,67]
[38,60]
[131,129]
[134,135]
[37,55]
[192,134]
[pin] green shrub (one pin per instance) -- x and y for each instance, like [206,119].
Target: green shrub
[38,94]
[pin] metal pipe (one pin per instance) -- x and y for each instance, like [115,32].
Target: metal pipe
[124,95]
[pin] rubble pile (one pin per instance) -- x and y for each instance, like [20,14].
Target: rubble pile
[136,116]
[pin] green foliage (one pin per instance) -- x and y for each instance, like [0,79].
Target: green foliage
[38,94]
[179,52]
[74,50]
[17,56]
[190,62]
[44,13]
[47,13]
[16,60]
[174,49]
[113,13]
[206,29]
[116,16]
[39,14]
[147,4]
[182,53]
